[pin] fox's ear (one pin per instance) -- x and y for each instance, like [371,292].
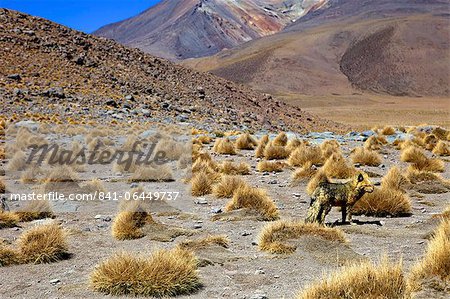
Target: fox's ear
[360,178]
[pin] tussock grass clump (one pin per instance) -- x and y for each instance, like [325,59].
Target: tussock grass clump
[430,141]
[201,183]
[303,174]
[275,152]
[394,179]
[330,147]
[62,174]
[17,162]
[365,157]
[280,140]
[440,133]
[319,176]
[441,149]
[363,280]
[304,154]
[43,244]
[417,176]
[2,187]
[412,154]
[253,199]
[246,142]
[294,143]
[8,219]
[150,173]
[267,166]
[224,146]
[383,202]
[436,262]
[227,186]
[128,223]
[219,240]
[95,185]
[274,235]
[172,149]
[8,256]
[34,210]
[373,143]
[259,152]
[230,168]
[164,273]
[31,175]
[337,167]
[388,130]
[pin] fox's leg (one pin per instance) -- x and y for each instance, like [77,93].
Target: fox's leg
[349,214]
[344,213]
[325,209]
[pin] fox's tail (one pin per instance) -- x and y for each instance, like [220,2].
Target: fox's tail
[315,212]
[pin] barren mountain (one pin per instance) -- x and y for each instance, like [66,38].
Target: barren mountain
[49,69]
[388,47]
[195,28]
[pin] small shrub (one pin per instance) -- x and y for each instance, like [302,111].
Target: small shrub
[304,154]
[34,210]
[388,130]
[259,153]
[224,146]
[150,173]
[303,174]
[274,235]
[280,140]
[43,244]
[246,142]
[201,184]
[8,219]
[275,152]
[441,149]
[267,166]
[220,240]
[383,202]
[254,199]
[363,280]
[164,273]
[227,186]
[365,157]
[230,168]
[436,262]
[336,167]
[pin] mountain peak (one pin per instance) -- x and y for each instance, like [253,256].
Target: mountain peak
[187,29]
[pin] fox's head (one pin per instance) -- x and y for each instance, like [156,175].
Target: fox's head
[362,183]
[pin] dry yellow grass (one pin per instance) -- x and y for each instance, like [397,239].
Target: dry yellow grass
[171,149]
[231,168]
[17,162]
[294,143]
[2,187]
[224,146]
[373,143]
[394,179]
[219,240]
[268,166]
[441,149]
[364,156]
[417,176]
[383,202]
[128,223]
[94,186]
[43,244]
[420,161]
[319,176]
[304,154]
[150,173]
[275,152]
[364,280]
[246,142]
[165,273]
[281,139]
[330,147]
[259,152]
[388,130]
[8,256]
[436,262]
[337,167]
[303,173]
[430,141]
[253,199]
[274,235]
[35,209]
[201,183]
[62,174]
[8,219]
[440,133]
[227,186]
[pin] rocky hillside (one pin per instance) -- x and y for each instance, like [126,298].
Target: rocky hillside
[50,69]
[387,47]
[195,28]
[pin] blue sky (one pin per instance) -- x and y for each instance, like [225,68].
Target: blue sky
[83,15]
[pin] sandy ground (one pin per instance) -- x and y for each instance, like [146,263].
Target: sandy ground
[363,111]
[241,271]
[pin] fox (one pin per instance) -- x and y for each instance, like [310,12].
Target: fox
[344,195]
